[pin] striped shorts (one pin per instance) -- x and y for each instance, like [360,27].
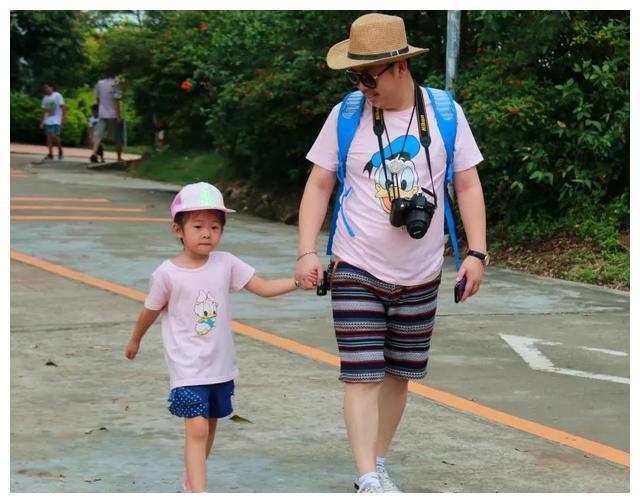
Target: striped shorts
[381,327]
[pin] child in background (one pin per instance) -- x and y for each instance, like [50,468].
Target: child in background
[91,127]
[192,293]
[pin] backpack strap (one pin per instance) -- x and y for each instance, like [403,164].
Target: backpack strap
[348,120]
[447,120]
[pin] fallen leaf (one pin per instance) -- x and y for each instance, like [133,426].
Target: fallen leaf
[102,428]
[48,475]
[239,419]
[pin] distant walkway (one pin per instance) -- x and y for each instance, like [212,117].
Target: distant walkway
[21,148]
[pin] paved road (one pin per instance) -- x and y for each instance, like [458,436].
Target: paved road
[527,389]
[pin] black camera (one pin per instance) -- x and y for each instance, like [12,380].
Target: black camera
[325,284]
[415,213]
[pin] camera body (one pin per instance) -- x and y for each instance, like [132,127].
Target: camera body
[325,285]
[415,213]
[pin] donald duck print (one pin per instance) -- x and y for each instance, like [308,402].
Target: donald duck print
[399,155]
[206,308]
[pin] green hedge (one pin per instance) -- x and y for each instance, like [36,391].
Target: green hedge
[26,113]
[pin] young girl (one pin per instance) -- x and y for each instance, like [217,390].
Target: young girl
[192,293]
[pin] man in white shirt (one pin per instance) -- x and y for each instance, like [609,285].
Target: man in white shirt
[53,117]
[110,125]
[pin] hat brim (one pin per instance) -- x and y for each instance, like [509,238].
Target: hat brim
[338,59]
[174,212]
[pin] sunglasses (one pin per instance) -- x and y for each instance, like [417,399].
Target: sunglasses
[366,78]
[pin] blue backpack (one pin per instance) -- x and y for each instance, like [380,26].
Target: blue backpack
[348,120]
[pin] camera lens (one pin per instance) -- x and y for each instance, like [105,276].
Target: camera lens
[418,223]
[419,216]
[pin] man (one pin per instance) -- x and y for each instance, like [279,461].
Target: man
[385,282]
[53,118]
[110,125]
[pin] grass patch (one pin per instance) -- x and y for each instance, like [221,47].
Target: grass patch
[183,167]
[590,244]
[566,256]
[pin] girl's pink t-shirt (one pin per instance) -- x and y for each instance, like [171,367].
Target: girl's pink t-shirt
[388,252]
[196,317]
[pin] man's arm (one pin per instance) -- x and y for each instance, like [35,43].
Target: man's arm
[313,208]
[470,200]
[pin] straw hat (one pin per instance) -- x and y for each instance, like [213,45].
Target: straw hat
[374,39]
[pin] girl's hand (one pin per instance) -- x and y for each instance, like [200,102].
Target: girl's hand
[312,276]
[309,271]
[132,349]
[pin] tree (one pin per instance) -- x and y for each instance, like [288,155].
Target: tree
[46,46]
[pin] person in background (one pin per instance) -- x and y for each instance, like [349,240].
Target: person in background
[53,118]
[91,127]
[110,126]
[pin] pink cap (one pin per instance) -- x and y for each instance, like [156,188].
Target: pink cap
[198,196]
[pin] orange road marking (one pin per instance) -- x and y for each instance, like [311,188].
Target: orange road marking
[288,344]
[455,402]
[74,208]
[61,199]
[87,218]
[78,276]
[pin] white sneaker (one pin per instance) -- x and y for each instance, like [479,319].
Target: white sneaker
[371,486]
[385,480]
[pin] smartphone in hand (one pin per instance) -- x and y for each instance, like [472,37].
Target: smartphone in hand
[458,290]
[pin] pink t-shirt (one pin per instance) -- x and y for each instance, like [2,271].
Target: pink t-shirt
[388,252]
[196,317]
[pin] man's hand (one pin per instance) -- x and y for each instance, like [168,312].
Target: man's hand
[132,349]
[309,271]
[473,269]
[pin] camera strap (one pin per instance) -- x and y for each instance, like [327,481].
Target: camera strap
[378,129]
[425,139]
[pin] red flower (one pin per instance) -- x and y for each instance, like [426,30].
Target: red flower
[186,85]
[204,26]
[479,50]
